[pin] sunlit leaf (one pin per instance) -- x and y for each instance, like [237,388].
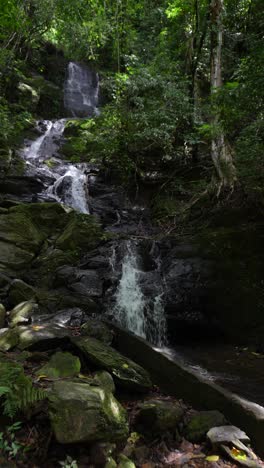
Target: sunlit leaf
[212,458]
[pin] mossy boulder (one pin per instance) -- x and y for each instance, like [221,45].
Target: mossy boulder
[50,218]
[61,365]
[125,462]
[22,313]
[20,239]
[13,258]
[159,416]
[19,292]
[81,413]
[81,233]
[58,299]
[41,337]
[2,315]
[28,96]
[200,423]
[126,373]
[98,330]
[9,338]
[5,160]
[104,380]
[50,96]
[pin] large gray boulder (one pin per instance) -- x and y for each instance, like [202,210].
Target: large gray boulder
[126,373]
[81,413]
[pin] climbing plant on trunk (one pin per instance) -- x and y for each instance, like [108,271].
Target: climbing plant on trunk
[220,149]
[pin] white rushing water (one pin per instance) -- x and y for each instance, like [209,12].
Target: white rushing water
[72,189]
[130,303]
[142,315]
[81,91]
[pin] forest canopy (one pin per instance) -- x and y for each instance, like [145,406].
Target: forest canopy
[182,81]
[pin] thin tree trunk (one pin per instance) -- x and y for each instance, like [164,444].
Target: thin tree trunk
[220,150]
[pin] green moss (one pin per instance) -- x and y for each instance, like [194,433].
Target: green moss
[9,339]
[61,365]
[201,423]
[82,232]
[81,413]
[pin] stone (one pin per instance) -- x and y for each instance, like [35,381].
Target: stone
[42,337]
[8,339]
[141,454]
[159,416]
[81,413]
[16,228]
[22,313]
[61,365]
[98,330]
[17,184]
[85,282]
[125,462]
[110,463]
[104,380]
[2,315]
[28,96]
[81,233]
[101,452]
[19,292]
[226,435]
[13,258]
[200,423]
[126,373]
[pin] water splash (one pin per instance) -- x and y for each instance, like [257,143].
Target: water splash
[72,189]
[142,315]
[47,144]
[130,304]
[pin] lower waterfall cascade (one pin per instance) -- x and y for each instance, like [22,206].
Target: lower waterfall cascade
[135,311]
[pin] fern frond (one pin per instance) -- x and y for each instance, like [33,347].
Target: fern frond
[16,389]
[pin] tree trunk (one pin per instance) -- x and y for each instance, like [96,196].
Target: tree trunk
[220,150]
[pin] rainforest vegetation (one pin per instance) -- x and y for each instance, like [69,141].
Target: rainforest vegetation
[145,213]
[181,84]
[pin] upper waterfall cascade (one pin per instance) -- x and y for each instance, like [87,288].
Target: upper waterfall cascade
[70,182]
[81,91]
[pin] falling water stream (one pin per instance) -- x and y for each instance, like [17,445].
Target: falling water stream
[133,309]
[68,184]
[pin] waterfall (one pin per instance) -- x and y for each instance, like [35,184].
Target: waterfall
[72,189]
[130,303]
[81,91]
[47,144]
[133,310]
